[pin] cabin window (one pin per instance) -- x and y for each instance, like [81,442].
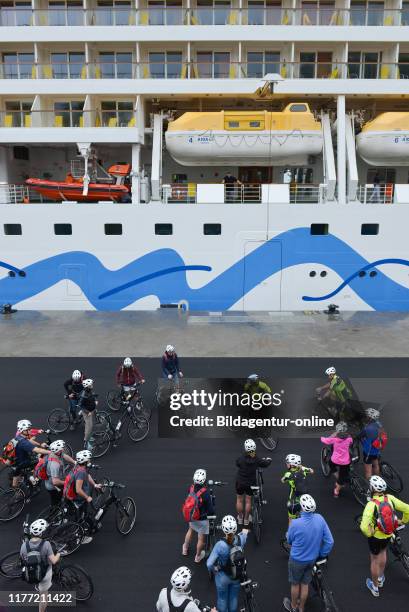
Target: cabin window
[298,108]
[234,124]
[260,63]
[12,229]
[319,229]
[212,229]
[62,229]
[21,153]
[113,229]
[370,229]
[255,124]
[163,229]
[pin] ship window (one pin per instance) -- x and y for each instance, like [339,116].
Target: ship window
[234,124]
[298,108]
[163,229]
[113,229]
[12,229]
[212,229]
[255,124]
[21,153]
[362,273]
[62,229]
[373,273]
[323,274]
[370,229]
[319,229]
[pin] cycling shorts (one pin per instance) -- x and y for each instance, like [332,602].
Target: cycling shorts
[377,545]
[242,489]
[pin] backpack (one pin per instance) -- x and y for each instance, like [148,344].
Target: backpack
[69,485]
[236,564]
[381,441]
[8,454]
[40,470]
[300,483]
[386,519]
[173,608]
[35,567]
[192,503]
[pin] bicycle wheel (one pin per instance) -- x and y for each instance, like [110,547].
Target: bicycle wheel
[360,489]
[140,408]
[269,443]
[67,537]
[74,578]
[125,515]
[68,450]
[251,603]
[12,502]
[327,597]
[10,565]
[100,444]
[404,559]
[325,461]
[256,523]
[391,477]
[58,420]
[102,420]
[54,515]
[114,399]
[138,428]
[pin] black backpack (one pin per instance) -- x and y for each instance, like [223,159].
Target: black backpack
[34,567]
[173,608]
[236,564]
[300,483]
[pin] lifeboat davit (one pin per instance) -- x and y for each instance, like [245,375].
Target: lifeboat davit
[385,140]
[245,138]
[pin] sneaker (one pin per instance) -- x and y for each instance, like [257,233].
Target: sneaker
[370,585]
[381,581]
[287,605]
[86,540]
[240,519]
[200,558]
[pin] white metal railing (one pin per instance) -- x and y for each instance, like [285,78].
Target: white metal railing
[375,193]
[307,194]
[13,194]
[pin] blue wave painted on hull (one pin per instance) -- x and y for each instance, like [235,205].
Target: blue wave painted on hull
[222,292]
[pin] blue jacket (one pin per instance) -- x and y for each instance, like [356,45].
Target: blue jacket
[310,537]
[368,435]
[221,552]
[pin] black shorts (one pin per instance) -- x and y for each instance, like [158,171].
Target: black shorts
[369,459]
[242,489]
[343,473]
[376,545]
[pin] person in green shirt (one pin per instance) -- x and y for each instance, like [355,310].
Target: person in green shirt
[295,477]
[255,385]
[378,540]
[335,393]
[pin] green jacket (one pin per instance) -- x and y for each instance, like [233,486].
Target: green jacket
[257,387]
[338,386]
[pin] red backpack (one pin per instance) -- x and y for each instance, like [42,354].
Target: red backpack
[192,503]
[381,441]
[8,454]
[69,484]
[40,470]
[386,519]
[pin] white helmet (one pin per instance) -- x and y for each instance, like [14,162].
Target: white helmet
[38,527]
[199,477]
[23,425]
[127,362]
[170,349]
[180,579]
[330,371]
[229,524]
[372,413]
[341,427]
[293,460]
[88,383]
[57,446]
[253,377]
[377,484]
[307,503]
[83,456]
[250,446]
[76,375]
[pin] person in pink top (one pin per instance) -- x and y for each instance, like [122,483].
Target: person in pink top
[340,459]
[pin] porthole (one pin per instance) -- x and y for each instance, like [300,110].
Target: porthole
[12,274]
[373,273]
[362,273]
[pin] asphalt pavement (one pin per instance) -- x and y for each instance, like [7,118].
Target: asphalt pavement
[128,572]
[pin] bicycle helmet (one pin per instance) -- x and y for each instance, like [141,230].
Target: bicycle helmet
[253,377]
[88,383]
[83,457]
[180,579]
[57,446]
[307,503]
[330,371]
[372,413]
[293,460]
[76,375]
[38,527]
[341,427]
[229,524]
[199,477]
[170,349]
[250,446]
[127,362]
[24,425]
[377,484]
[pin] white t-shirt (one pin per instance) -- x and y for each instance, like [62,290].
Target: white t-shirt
[177,599]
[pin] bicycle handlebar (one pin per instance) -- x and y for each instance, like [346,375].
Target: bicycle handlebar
[217,483]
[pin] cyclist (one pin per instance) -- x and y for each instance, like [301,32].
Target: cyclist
[221,563]
[341,442]
[310,539]
[177,597]
[336,393]
[55,471]
[199,498]
[247,465]
[87,404]
[128,375]
[368,436]
[47,558]
[25,448]
[255,385]
[378,528]
[170,364]
[295,476]
[73,388]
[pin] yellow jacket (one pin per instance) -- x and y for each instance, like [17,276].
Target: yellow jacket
[368,518]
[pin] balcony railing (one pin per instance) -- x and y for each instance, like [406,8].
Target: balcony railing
[171,16]
[376,193]
[68,118]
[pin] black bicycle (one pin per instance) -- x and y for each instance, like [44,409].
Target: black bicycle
[258,502]
[60,419]
[321,588]
[107,434]
[211,536]
[128,395]
[359,484]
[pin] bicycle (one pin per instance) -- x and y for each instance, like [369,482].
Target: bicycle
[211,536]
[258,502]
[320,586]
[60,419]
[108,434]
[250,603]
[359,485]
[128,395]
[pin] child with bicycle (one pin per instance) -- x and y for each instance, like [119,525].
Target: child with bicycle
[247,465]
[341,442]
[197,507]
[295,477]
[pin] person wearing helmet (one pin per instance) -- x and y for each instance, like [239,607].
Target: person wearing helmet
[341,442]
[128,375]
[296,478]
[369,437]
[247,465]
[378,523]
[170,364]
[335,394]
[199,494]
[220,563]
[87,405]
[310,538]
[55,463]
[177,596]
[73,388]
[24,450]
[254,385]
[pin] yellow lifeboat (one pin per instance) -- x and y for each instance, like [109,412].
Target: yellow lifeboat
[384,141]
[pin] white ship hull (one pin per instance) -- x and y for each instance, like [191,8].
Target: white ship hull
[384,148]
